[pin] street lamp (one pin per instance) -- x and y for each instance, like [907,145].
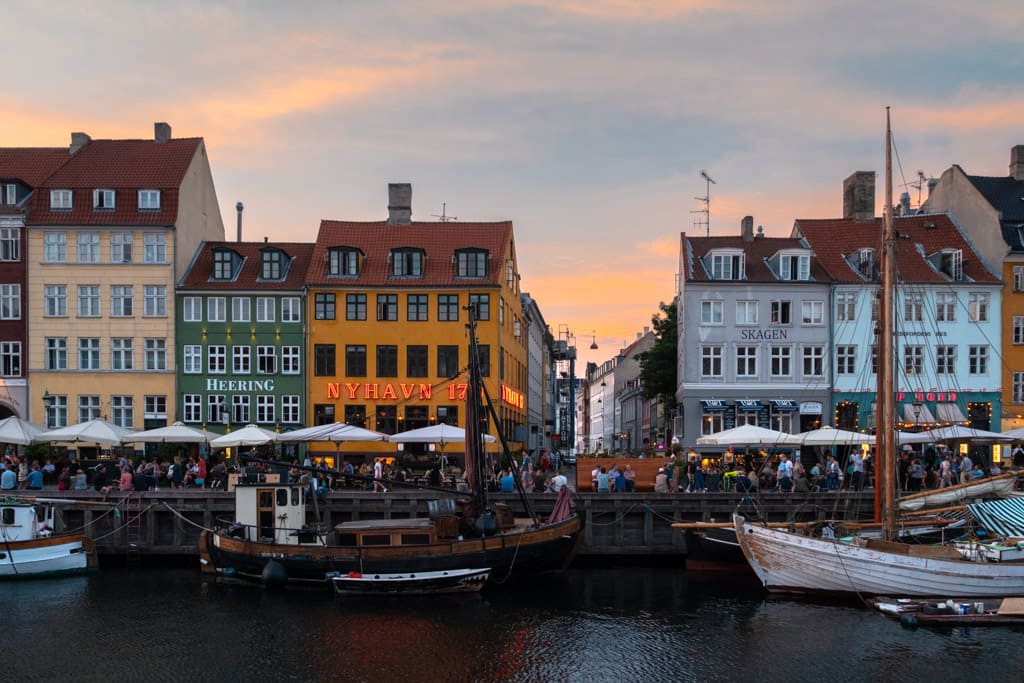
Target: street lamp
[917,405]
[593,340]
[47,405]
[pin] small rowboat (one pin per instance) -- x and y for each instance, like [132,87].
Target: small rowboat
[914,612]
[410,583]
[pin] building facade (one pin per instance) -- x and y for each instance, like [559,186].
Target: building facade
[540,405]
[602,435]
[632,408]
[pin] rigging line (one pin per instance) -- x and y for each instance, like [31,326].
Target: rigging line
[899,162]
[184,518]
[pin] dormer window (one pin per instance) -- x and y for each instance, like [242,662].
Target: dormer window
[471,263]
[103,199]
[951,263]
[10,194]
[727,266]
[272,262]
[149,200]
[224,264]
[60,199]
[343,261]
[407,262]
[795,267]
[864,261]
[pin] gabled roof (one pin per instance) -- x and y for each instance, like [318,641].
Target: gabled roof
[125,166]
[755,253]
[438,240]
[921,235]
[1005,194]
[31,165]
[198,275]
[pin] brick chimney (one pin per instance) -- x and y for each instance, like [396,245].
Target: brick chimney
[399,203]
[1017,162]
[859,196]
[161,132]
[747,228]
[78,141]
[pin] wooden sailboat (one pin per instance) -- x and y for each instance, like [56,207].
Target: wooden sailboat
[29,549]
[793,562]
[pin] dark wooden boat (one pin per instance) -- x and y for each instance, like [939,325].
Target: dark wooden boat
[913,612]
[413,583]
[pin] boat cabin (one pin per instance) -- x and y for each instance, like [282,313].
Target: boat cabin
[386,532]
[273,513]
[23,522]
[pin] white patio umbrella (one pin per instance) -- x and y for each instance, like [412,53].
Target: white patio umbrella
[914,437]
[249,435]
[961,433]
[93,431]
[1017,434]
[20,432]
[175,433]
[439,433]
[830,436]
[336,431]
[747,435]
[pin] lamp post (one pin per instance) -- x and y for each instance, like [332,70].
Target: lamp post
[917,405]
[47,405]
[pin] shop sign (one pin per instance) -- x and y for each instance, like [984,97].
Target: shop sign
[928,396]
[383,391]
[239,385]
[512,397]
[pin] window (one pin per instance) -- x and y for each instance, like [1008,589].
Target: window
[88,353]
[874,359]
[795,267]
[846,306]
[712,422]
[217,359]
[913,360]
[913,308]
[192,359]
[1018,278]
[155,351]
[387,307]
[746,417]
[193,407]
[60,199]
[977,307]
[103,199]
[846,360]
[55,247]
[727,267]
[192,309]
[814,361]
[387,419]
[122,411]
[88,408]
[711,312]
[448,307]
[355,307]
[746,312]
[290,409]
[780,313]
[240,409]
[121,354]
[812,312]
[121,304]
[484,351]
[416,361]
[1018,329]
[323,360]
[471,263]
[866,264]
[977,360]
[154,301]
[10,359]
[149,200]
[387,360]
[266,360]
[782,422]
[1018,387]
[417,307]
[876,302]
[323,307]
[265,309]
[481,305]
[782,361]
[55,301]
[10,196]
[155,247]
[510,273]
[10,302]
[323,413]
[746,361]
[290,364]
[217,309]
[407,263]
[945,360]
[88,301]
[154,407]
[223,264]
[241,360]
[343,261]
[501,310]
[88,247]
[56,353]
[291,307]
[120,247]
[270,264]
[241,309]
[711,361]
[447,361]
[265,409]
[355,360]
[10,244]
[217,406]
[951,263]
[945,306]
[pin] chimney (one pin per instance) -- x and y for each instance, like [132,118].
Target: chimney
[78,141]
[399,203]
[161,132]
[238,208]
[859,196]
[932,182]
[1017,162]
[905,204]
[747,228]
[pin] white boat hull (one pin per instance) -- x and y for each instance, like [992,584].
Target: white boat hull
[791,562]
[24,559]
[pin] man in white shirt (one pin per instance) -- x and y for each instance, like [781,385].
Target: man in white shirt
[558,481]
[857,482]
[966,467]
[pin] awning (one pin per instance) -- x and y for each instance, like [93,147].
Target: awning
[714,404]
[949,412]
[919,414]
[1004,517]
[748,405]
[780,405]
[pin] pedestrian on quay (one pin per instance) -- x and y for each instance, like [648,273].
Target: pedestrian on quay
[856,467]
[602,482]
[620,479]
[593,476]
[915,475]
[558,482]
[539,480]
[966,468]
[629,478]
[34,482]
[661,481]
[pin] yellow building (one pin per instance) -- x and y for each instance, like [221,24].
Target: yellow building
[387,309]
[109,234]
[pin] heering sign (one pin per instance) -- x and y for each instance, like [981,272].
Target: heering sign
[239,385]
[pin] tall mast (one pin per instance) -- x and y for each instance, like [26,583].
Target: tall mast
[885,436]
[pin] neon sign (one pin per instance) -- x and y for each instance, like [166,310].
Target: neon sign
[512,397]
[929,396]
[377,391]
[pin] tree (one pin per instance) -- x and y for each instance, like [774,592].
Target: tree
[658,365]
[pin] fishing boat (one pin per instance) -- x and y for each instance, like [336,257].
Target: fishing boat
[413,583]
[270,541]
[30,549]
[795,562]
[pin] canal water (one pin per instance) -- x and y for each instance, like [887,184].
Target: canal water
[623,625]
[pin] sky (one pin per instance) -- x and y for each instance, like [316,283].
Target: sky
[585,122]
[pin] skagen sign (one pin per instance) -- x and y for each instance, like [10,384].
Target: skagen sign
[752,335]
[239,385]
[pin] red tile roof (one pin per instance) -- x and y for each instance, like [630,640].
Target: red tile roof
[31,165]
[755,254]
[920,236]
[122,165]
[439,242]
[198,275]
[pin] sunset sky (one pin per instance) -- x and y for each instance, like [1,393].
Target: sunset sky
[586,122]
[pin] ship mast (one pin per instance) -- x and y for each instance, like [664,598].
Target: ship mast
[885,435]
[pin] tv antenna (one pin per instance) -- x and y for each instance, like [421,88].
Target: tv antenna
[444,217]
[704,219]
[921,182]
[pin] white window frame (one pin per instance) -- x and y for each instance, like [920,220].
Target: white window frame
[711,422]
[812,313]
[149,200]
[217,409]
[89,353]
[712,359]
[711,312]
[803,267]
[56,353]
[945,359]
[291,360]
[913,359]
[154,301]
[10,194]
[61,200]
[122,354]
[291,309]
[55,247]
[55,301]
[217,359]
[192,408]
[1018,278]
[192,359]
[746,312]
[977,359]
[122,301]
[122,411]
[913,307]
[265,409]
[104,199]
[121,247]
[155,353]
[10,244]
[290,408]
[154,247]
[1018,387]
[266,360]
[10,301]
[240,409]
[192,309]
[216,309]
[88,305]
[89,407]
[241,359]
[781,361]
[154,406]
[814,357]
[265,309]
[846,359]
[88,247]
[977,307]
[241,309]
[746,361]
[776,310]
[945,307]
[10,359]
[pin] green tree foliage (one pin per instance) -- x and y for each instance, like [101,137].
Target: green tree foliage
[658,365]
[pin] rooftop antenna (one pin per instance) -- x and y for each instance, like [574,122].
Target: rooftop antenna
[918,184]
[444,217]
[704,219]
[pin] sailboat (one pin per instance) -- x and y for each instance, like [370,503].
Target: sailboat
[269,540]
[791,562]
[29,548]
